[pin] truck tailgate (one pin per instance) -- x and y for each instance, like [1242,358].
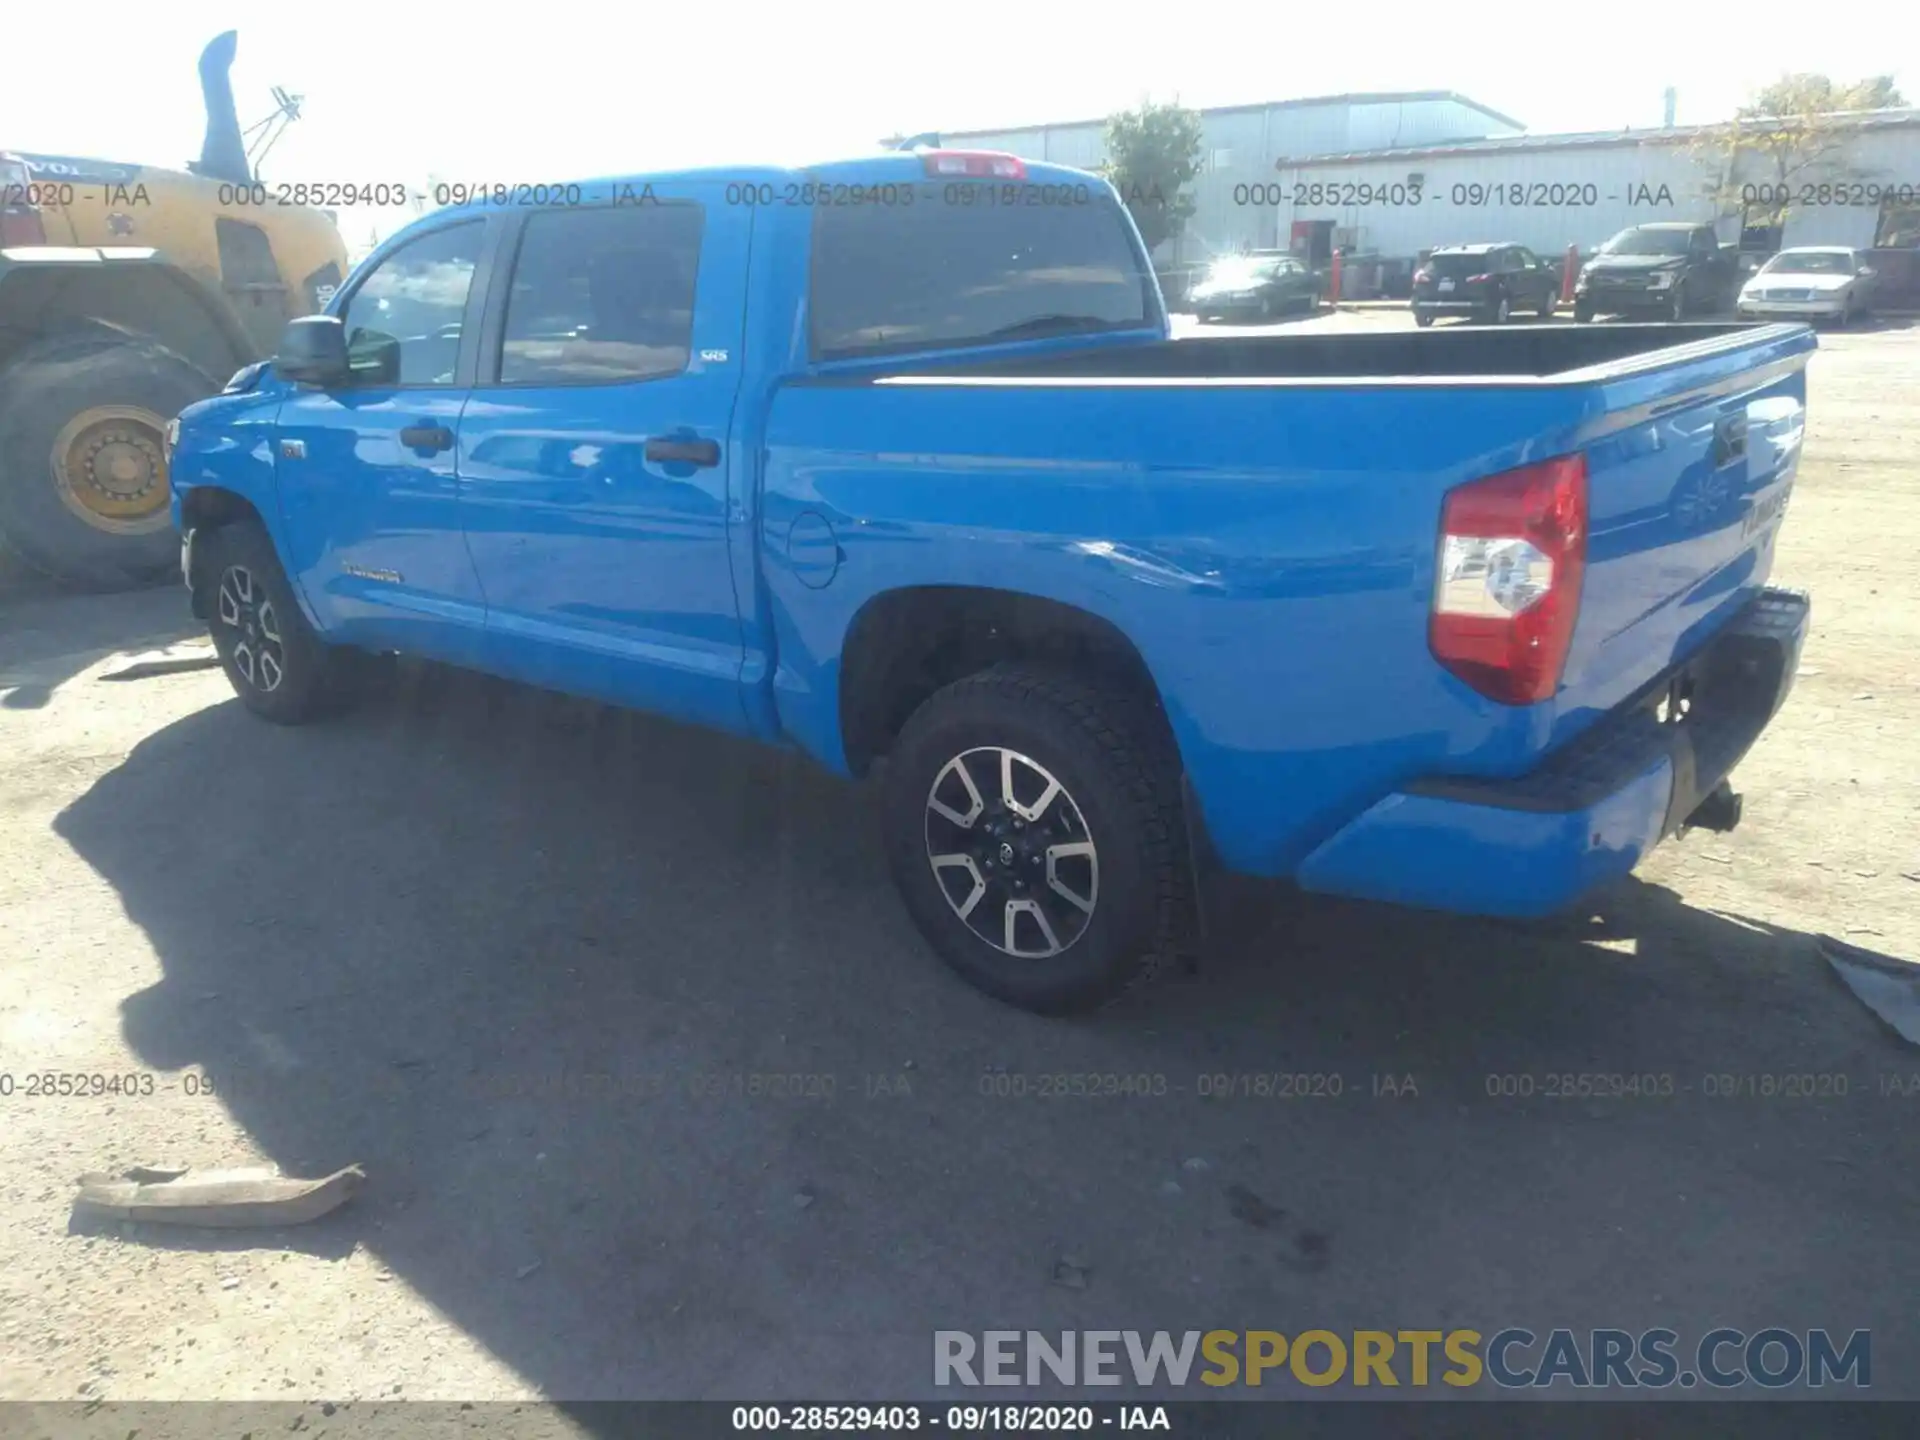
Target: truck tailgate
[1689,470]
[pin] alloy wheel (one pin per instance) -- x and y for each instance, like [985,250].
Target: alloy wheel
[259,654]
[1011,852]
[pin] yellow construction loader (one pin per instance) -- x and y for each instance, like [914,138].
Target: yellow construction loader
[127,293]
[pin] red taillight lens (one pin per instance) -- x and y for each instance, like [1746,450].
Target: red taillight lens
[973,164]
[1422,276]
[1506,592]
[20,222]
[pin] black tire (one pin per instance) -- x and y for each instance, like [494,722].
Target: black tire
[1582,314]
[1548,302]
[1422,319]
[1119,797]
[277,665]
[1677,307]
[1502,308]
[44,520]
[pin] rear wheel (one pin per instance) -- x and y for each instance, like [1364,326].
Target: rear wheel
[1422,319]
[1033,825]
[83,473]
[1582,312]
[277,665]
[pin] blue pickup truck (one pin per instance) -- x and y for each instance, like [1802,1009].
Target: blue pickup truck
[894,460]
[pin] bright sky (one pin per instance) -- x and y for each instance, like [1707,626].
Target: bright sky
[405,90]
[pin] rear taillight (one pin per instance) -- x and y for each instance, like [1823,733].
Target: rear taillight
[1513,549]
[1420,277]
[1477,279]
[20,222]
[973,164]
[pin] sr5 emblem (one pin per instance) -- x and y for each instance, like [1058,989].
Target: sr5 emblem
[714,357]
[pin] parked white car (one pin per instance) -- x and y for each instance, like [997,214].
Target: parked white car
[1809,282]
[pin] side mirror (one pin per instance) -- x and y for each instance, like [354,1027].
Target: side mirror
[313,349]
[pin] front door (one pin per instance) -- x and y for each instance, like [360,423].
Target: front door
[595,453]
[368,492]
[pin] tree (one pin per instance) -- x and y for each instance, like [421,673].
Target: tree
[1787,137]
[1801,94]
[1153,153]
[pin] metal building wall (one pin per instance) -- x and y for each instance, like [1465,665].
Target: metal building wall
[1549,198]
[1238,148]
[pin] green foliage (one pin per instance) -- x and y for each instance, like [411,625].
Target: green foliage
[1801,95]
[1786,136]
[1153,154]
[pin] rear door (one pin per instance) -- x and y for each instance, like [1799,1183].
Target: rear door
[368,495]
[1531,277]
[594,454]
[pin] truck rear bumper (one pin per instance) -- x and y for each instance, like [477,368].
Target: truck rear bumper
[1534,844]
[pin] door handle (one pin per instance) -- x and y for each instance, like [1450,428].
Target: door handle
[684,452]
[427,437]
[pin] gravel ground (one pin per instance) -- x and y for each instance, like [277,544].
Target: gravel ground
[660,1096]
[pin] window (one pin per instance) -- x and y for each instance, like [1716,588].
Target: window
[1810,262]
[943,272]
[246,259]
[1704,242]
[602,295]
[403,320]
[1528,260]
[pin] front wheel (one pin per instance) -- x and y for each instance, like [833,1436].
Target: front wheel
[1501,309]
[277,665]
[1677,307]
[1582,314]
[1422,319]
[1033,825]
[1547,304]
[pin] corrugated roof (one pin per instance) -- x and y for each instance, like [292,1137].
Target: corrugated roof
[1576,140]
[1358,97]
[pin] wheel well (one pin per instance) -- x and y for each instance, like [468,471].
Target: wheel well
[208,507]
[906,644]
[132,300]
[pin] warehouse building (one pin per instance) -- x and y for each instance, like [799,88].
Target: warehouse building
[1240,144]
[1384,176]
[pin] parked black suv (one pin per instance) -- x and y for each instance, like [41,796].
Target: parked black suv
[1485,282]
[1666,271]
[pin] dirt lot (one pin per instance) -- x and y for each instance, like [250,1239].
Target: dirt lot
[381,940]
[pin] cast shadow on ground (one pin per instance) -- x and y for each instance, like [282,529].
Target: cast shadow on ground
[613,1012]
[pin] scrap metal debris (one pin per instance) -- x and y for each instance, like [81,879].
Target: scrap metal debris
[225,1199]
[1888,987]
[188,655]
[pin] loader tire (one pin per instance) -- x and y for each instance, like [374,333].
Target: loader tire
[83,471]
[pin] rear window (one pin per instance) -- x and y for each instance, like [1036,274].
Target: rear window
[940,273]
[1458,267]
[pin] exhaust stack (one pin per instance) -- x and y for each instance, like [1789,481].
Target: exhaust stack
[223,153]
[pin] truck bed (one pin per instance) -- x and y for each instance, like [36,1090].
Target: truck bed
[1551,354]
[1259,516]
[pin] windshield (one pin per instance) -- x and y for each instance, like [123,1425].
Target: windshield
[1810,262]
[1648,242]
[1242,268]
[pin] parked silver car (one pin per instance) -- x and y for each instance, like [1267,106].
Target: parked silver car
[1809,282]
